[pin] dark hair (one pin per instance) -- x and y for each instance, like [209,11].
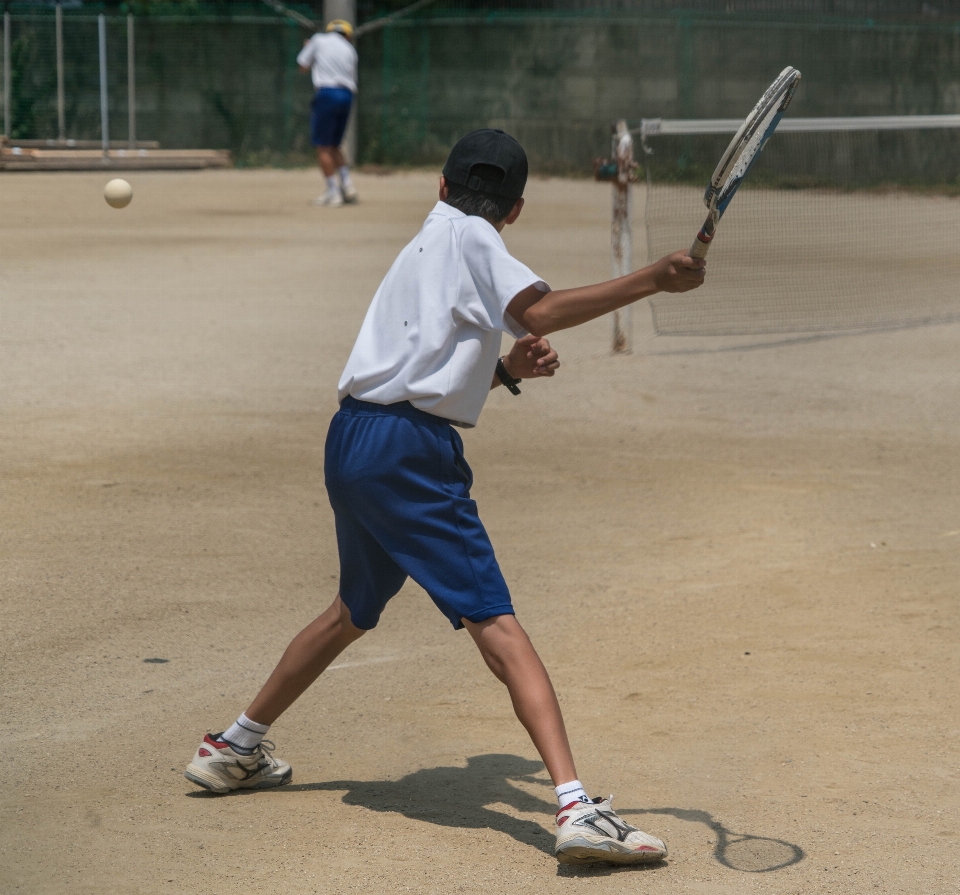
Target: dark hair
[475,202]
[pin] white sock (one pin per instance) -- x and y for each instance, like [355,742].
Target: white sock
[332,184]
[345,175]
[571,792]
[245,735]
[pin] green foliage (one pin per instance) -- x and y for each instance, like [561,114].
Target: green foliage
[162,7]
[23,98]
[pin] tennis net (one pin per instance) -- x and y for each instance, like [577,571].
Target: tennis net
[843,223]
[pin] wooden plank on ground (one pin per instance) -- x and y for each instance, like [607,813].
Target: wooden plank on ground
[14,158]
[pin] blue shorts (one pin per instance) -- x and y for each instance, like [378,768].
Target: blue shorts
[400,491]
[329,112]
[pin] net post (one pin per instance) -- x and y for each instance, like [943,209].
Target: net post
[131,85]
[104,109]
[621,233]
[61,102]
[6,75]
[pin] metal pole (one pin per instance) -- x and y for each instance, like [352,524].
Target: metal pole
[61,117]
[340,9]
[621,236]
[131,84]
[6,75]
[104,110]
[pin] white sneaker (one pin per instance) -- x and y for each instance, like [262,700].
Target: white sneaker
[350,194]
[218,768]
[592,833]
[333,198]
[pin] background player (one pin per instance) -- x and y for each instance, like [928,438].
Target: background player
[426,356]
[331,60]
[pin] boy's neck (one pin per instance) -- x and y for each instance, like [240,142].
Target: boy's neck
[497,225]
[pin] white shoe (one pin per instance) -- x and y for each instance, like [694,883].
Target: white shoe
[350,194]
[218,768]
[592,833]
[332,198]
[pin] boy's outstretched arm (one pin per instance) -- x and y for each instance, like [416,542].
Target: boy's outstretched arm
[529,357]
[541,313]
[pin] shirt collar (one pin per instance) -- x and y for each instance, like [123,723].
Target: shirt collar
[447,211]
[455,214]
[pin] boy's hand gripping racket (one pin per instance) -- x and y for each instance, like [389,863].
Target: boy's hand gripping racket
[741,154]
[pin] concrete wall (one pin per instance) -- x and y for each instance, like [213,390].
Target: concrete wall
[555,82]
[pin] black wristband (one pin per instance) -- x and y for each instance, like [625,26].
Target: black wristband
[506,378]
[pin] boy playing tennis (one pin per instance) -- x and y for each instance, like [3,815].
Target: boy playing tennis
[332,62]
[426,357]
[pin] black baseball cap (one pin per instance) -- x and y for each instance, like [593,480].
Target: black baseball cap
[489,146]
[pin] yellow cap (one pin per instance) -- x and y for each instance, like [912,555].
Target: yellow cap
[341,26]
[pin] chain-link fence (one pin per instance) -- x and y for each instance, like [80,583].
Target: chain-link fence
[555,76]
[199,81]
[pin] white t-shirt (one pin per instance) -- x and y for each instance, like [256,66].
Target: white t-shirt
[432,333]
[332,61]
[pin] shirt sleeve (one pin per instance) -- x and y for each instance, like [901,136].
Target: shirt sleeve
[490,279]
[305,56]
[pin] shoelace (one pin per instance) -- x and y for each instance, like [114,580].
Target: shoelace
[630,827]
[267,747]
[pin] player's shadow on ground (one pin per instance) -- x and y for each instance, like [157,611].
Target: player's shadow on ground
[457,797]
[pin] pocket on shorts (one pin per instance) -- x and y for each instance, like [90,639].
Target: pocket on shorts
[459,461]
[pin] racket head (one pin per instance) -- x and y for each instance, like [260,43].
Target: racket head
[748,141]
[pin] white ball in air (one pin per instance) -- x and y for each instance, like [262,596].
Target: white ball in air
[118,193]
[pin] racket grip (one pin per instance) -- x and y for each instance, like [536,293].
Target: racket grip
[699,248]
[701,245]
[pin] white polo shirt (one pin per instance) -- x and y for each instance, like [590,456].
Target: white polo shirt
[332,61]
[432,333]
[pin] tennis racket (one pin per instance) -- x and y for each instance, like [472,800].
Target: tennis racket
[757,128]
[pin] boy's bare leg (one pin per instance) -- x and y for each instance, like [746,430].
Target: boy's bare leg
[327,159]
[223,764]
[307,656]
[595,832]
[510,655]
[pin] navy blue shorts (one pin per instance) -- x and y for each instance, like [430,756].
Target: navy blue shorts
[329,112]
[400,491]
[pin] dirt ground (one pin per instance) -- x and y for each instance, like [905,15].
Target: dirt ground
[740,562]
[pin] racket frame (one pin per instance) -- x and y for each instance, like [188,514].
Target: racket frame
[719,192]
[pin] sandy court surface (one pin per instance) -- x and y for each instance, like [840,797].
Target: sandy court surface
[740,563]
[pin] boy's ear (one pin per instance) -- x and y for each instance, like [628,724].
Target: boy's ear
[444,189]
[514,212]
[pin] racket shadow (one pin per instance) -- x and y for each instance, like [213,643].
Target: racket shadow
[737,851]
